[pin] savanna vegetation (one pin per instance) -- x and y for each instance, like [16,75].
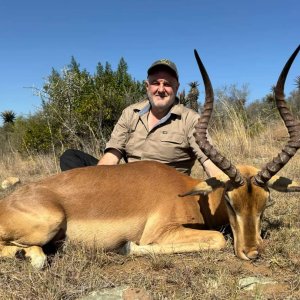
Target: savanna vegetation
[79,109]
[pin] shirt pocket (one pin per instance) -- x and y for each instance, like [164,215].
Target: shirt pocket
[172,138]
[172,147]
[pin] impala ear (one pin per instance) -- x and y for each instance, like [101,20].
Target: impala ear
[283,184]
[206,186]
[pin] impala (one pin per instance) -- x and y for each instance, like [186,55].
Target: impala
[145,206]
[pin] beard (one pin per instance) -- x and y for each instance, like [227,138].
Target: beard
[163,104]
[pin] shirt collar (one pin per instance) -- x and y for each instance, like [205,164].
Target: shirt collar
[145,109]
[175,109]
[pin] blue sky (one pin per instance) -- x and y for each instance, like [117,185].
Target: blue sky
[240,42]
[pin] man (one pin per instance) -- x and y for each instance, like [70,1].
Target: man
[158,128]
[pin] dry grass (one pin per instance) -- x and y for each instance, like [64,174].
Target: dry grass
[27,169]
[76,270]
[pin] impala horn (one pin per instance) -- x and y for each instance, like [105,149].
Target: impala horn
[201,131]
[293,127]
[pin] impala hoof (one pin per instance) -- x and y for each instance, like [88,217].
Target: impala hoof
[125,249]
[252,254]
[39,262]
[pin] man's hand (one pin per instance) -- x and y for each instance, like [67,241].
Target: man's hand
[211,169]
[111,157]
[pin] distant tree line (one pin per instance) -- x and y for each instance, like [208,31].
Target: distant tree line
[79,109]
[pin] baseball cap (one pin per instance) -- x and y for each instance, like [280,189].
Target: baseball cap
[166,63]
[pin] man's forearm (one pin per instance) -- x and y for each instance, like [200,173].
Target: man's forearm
[211,169]
[111,157]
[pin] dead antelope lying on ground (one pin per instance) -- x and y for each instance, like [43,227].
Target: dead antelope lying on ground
[140,208]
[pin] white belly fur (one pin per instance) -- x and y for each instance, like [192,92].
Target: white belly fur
[108,234]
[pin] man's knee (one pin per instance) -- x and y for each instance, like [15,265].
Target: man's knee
[73,158]
[69,153]
[69,160]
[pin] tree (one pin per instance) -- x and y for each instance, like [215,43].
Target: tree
[191,99]
[8,117]
[82,108]
[193,96]
[297,81]
[230,103]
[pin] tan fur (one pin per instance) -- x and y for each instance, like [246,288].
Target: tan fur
[135,206]
[10,182]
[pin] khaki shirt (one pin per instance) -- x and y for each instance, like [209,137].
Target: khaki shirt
[171,141]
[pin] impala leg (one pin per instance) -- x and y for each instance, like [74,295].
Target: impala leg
[37,256]
[9,251]
[180,240]
[30,230]
[35,253]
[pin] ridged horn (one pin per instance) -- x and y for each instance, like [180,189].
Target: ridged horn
[201,129]
[293,127]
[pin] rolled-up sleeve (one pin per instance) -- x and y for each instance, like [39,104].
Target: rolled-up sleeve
[119,134]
